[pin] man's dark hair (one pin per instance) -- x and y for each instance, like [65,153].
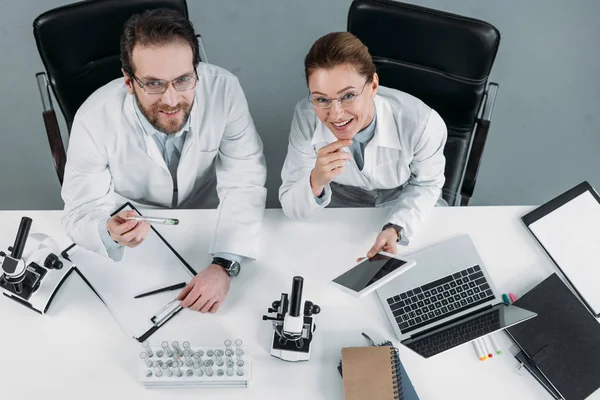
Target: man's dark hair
[157,27]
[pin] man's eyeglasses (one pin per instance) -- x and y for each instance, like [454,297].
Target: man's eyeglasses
[181,84]
[325,102]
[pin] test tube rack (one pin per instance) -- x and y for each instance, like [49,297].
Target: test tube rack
[212,375]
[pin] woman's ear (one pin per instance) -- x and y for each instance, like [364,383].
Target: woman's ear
[375,84]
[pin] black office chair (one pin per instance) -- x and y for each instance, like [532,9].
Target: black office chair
[79,45]
[444,60]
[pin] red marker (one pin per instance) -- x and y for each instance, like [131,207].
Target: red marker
[487,347]
[513,298]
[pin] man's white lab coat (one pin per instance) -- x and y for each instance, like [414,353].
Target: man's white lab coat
[110,160]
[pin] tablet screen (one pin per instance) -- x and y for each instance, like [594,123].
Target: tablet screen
[368,272]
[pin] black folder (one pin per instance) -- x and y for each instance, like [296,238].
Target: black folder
[563,341]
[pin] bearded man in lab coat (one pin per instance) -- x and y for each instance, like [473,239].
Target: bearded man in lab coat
[354,143]
[165,136]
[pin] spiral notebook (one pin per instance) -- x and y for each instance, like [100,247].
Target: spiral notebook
[375,372]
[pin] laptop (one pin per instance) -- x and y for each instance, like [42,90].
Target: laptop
[446,300]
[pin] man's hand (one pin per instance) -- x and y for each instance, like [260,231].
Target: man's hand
[330,163]
[386,241]
[127,233]
[207,290]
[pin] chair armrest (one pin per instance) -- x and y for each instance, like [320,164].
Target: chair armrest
[203,56]
[57,148]
[478,145]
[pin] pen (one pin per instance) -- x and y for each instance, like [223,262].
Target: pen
[478,350]
[155,220]
[495,344]
[486,347]
[165,289]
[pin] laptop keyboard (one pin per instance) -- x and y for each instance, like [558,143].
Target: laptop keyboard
[436,343]
[439,299]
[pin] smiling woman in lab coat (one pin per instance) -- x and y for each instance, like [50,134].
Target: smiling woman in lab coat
[355,143]
[163,136]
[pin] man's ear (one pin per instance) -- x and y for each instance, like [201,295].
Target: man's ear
[128,81]
[375,84]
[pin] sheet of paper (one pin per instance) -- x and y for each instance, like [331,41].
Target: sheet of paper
[151,265]
[571,235]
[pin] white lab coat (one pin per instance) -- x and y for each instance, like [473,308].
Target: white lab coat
[110,160]
[406,150]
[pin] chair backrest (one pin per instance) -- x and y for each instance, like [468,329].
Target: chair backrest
[80,45]
[441,58]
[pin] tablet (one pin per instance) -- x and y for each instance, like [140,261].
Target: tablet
[372,273]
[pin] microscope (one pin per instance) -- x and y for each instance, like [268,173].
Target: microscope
[31,275]
[293,325]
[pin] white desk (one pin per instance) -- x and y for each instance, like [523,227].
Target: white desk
[77,348]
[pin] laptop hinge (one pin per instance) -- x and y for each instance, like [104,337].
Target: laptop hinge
[436,327]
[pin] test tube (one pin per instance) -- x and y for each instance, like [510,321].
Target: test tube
[148,372]
[220,372]
[197,357]
[176,369]
[219,358]
[144,357]
[240,367]
[159,353]
[198,369]
[177,349]
[157,371]
[187,356]
[208,367]
[227,343]
[169,363]
[239,353]
[229,354]
[238,343]
[189,372]
[167,349]
[166,370]
[209,353]
[230,368]
[148,349]
[186,346]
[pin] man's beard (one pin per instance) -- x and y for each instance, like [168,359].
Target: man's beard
[171,126]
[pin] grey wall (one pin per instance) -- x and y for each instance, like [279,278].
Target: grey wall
[545,134]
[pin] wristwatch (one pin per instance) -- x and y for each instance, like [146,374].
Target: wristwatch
[399,230]
[231,267]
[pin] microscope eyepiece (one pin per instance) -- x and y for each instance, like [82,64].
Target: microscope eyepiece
[296,296]
[21,239]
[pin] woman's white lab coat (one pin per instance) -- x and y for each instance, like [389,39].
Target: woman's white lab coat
[110,160]
[406,152]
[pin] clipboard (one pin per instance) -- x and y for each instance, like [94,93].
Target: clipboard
[153,263]
[568,229]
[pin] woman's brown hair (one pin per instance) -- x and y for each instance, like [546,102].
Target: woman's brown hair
[339,48]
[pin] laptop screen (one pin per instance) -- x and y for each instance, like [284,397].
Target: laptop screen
[466,328]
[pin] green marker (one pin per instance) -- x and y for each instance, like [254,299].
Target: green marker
[505,299]
[495,344]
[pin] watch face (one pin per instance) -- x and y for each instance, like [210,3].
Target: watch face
[234,268]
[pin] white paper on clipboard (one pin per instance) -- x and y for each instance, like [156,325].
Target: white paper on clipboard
[571,236]
[152,264]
